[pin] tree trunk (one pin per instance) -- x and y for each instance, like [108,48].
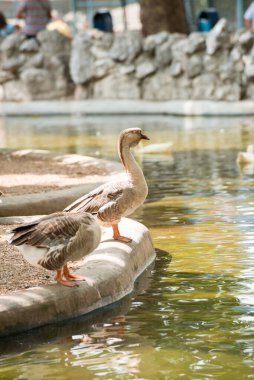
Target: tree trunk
[160,15]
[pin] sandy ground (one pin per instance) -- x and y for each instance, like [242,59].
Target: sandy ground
[33,172]
[24,172]
[15,272]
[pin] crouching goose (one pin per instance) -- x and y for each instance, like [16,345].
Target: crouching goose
[119,197]
[50,242]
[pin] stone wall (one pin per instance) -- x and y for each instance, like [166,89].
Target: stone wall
[218,65]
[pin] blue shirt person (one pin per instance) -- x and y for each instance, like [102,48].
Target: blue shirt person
[5,28]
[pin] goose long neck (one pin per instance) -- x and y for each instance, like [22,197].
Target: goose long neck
[128,161]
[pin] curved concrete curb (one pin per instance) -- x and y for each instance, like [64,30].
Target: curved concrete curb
[42,203]
[130,107]
[110,273]
[50,201]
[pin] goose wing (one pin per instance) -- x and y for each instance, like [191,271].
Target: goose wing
[101,198]
[55,229]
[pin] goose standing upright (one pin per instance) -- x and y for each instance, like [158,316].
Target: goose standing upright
[120,197]
[50,242]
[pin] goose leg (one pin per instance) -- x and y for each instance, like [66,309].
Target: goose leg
[71,276]
[117,236]
[61,280]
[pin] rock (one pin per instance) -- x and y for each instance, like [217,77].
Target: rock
[175,69]
[228,91]
[212,63]
[101,40]
[52,43]
[15,91]
[5,76]
[150,42]
[196,43]
[251,53]
[81,67]
[144,69]
[126,46]
[218,37]
[13,63]
[158,87]
[36,80]
[82,92]
[29,46]
[102,67]
[36,60]
[11,44]
[99,53]
[117,86]
[250,91]
[249,71]
[44,84]
[179,49]
[193,66]
[227,71]
[176,37]
[82,39]
[182,88]
[246,40]
[235,57]
[204,87]
[127,69]
[81,61]
[163,54]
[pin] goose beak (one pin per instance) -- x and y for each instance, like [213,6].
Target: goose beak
[144,137]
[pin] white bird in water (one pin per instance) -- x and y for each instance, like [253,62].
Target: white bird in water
[246,157]
[120,197]
[52,241]
[162,148]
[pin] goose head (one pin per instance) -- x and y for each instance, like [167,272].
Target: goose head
[132,136]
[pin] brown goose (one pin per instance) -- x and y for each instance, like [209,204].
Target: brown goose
[120,197]
[52,241]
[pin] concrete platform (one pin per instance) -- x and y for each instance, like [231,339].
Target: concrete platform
[129,107]
[110,272]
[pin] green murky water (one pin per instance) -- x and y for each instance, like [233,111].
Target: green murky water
[192,316]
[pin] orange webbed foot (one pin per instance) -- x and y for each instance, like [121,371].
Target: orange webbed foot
[117,236]
[122,238]
[71,276]
[63,281]
[66,282]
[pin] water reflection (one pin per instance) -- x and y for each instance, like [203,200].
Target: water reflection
[97,135]
[195,317]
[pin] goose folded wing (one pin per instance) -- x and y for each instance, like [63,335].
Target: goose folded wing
[113,208]
[47,232]
[89,202]
[93,201]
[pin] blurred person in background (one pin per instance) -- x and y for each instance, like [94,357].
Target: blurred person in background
[58,24]
[5,27]
[36,13]
[249,17]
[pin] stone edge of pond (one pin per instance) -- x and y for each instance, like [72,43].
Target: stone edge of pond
[130,107]
[41,203]
[110,272]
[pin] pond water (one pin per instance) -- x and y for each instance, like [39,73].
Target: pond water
[192,314]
